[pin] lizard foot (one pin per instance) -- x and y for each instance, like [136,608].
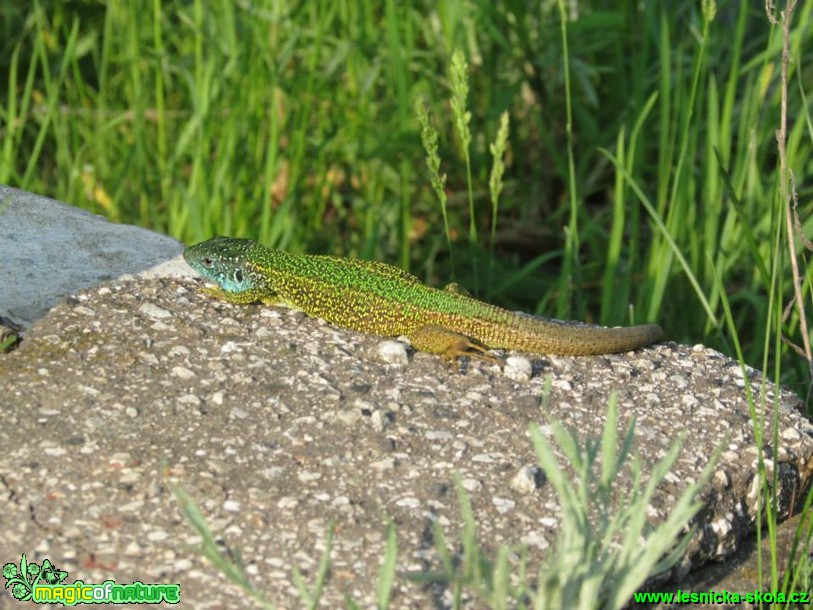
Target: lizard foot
[448,344]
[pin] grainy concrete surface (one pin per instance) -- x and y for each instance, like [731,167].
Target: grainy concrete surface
[277,425]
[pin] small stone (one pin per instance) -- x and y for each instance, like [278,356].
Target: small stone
[182,372]
[392,352]
[304,476]
[153,311]
[471,484]
[349,417]
[721,479]
[518,368]
[791,434]
[408,502]
[157,535]
[287,502]
[382,465]
[562,384]
[503,505]
[527,480]
[438,435]
[238,413]
[378,420]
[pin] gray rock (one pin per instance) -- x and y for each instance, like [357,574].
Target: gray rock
[49,250]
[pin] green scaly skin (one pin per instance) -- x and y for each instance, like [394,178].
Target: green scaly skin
[377,298]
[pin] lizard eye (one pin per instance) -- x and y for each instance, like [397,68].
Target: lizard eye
[238,276]
[207,262]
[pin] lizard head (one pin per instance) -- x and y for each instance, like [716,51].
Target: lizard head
[225,261]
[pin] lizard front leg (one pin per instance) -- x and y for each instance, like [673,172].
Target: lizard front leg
[245,297]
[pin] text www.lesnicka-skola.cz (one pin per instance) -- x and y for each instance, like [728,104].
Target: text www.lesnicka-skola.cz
[722,597]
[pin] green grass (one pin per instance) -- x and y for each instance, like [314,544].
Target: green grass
[8,341]
[641,177]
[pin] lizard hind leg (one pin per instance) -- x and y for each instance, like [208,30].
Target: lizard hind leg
[448,344]
[456,288]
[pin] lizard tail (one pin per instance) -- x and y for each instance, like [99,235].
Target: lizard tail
[567,340]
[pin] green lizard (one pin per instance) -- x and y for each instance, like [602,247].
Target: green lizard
[377,298]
